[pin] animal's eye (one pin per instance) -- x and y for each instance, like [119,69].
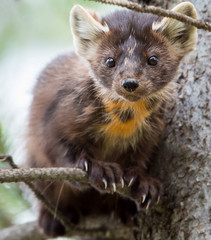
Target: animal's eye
[152,61]
[110,62]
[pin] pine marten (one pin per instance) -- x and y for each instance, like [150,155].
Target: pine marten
[101,107]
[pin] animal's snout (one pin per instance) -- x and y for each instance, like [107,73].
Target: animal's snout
[130,84]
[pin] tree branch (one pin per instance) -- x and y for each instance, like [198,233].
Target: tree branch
[42,174]
[28,175]
[24,231]
[97,227]
[59,216]
[89,228]
[57,174]
[158,11]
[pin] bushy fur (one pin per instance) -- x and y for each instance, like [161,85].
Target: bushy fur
[81,116]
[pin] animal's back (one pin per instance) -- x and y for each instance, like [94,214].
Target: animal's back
[60,83]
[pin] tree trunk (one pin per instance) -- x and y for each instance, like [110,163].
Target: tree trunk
[184,162]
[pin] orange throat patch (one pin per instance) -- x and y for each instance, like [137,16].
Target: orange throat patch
[125,118]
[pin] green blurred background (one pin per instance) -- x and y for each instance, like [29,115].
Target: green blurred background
[32,33]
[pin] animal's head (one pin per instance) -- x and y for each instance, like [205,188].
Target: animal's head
[132,55]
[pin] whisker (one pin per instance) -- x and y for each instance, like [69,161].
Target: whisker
[57,202]
[46,188]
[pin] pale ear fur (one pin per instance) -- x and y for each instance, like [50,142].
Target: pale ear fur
[86,29]
[182,37]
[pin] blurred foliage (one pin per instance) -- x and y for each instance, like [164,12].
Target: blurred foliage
[26,21]
[11,200]
[11,203]
[2,147]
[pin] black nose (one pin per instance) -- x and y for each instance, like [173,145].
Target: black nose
[130,84]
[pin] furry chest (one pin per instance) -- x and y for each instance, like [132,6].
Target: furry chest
[124,119]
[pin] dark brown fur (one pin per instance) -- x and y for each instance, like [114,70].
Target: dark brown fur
[70,112]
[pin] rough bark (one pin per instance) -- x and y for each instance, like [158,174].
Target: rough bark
[184,161]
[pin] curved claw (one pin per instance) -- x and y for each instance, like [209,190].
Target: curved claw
[105,183]
[131,181]
[86,166]
[143,198]
[114,186]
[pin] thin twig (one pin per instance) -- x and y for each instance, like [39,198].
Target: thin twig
[27,175]
[59,216]
[8,158]
[158,11]
[42,174]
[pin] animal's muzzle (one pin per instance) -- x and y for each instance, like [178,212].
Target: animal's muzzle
[130,84]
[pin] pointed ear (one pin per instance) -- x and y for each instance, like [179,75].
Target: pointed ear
[182,37]
[87,30]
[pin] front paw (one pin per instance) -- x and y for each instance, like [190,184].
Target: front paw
[143,188]
[105,176]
